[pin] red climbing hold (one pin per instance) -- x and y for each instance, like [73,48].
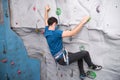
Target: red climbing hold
[4,60]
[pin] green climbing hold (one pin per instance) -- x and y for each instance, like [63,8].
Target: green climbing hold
[91,74]
[58,11]
[89,19]
[82,48]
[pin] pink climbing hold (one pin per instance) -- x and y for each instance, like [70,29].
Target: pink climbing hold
[4,60]
[34,8]
[19,72]
[42,32]
[12,63]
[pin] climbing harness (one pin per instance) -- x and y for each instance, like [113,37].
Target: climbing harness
[66,58]
[62,54]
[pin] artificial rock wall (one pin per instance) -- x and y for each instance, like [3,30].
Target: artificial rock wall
[100,36]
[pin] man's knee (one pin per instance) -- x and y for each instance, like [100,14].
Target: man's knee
[85,52]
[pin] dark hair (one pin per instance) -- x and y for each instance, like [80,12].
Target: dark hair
[51,20]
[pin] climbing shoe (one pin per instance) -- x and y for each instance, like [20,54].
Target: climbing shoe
[96,67]
[82,76]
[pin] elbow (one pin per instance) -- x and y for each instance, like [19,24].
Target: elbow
[73,33]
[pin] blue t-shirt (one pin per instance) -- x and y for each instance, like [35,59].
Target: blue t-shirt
[54,40]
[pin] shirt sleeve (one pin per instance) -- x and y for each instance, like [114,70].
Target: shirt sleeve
[59,33]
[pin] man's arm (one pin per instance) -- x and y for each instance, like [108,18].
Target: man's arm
[76,29]
[47,9]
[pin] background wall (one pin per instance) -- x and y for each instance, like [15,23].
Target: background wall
[100,36]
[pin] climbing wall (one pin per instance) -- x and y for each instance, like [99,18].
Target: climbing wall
[15,64]
[100,36]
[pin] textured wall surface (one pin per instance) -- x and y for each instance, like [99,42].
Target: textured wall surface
[100,36]
[15,64]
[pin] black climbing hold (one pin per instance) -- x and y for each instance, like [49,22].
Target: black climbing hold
[97,9]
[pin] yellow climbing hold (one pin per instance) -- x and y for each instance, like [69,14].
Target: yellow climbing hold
[89,19]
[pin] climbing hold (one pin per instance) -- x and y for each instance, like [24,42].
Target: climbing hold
[97,9]
[82,48]
[36,30]
[41,30]
[58,68]
[58,11]
[16,23]
[12,63]
[91,74]
[4,49]
[4,60]
[19,72]
[61,75]
[34,8]
[89,19]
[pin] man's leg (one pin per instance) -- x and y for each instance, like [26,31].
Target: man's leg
[80,55]
[89,62]
[83,55]
[76,57]
[80,66]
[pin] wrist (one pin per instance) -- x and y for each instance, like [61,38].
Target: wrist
[83,22]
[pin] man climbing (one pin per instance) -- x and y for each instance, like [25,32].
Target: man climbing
[54,40]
